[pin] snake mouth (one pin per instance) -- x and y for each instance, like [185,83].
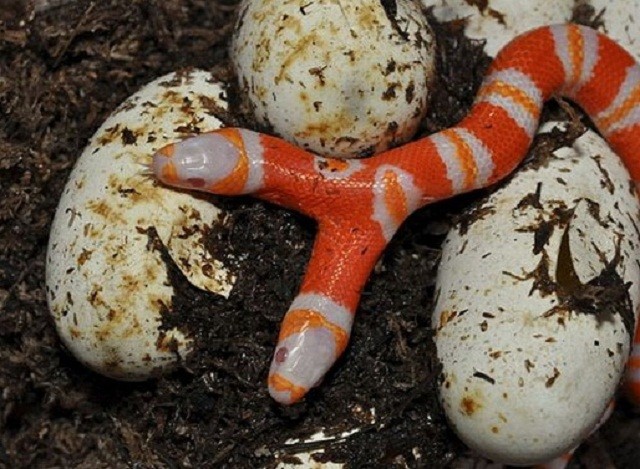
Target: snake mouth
[285,391]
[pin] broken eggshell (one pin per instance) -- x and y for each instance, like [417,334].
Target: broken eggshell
[618,19]
[106,278]
[344,79]
[496,22]
[535,308]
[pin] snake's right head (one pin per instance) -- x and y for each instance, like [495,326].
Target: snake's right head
[299,363]
[313,335]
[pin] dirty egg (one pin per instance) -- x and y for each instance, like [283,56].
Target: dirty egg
[344,79]
[536,295]
[107,275]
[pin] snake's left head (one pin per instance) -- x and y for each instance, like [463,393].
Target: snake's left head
[212,162]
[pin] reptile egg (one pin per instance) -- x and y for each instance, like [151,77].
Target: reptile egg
[345,79]
[116,231]
[536,295]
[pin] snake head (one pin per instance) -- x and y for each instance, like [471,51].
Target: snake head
[299,363]
[314,333]
[214,162]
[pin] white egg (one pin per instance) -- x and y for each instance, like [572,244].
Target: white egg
[536,295]
[107,283]
[344,79]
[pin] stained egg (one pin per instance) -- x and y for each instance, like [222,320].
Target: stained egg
[345,79]
[116,231]
[537,292]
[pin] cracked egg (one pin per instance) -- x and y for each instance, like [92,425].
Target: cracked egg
[116,230]
[536,298]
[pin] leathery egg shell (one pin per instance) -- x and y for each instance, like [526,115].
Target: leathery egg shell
[536,295]
[345,79]
[107,281]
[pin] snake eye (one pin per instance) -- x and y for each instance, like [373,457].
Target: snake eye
[281,355]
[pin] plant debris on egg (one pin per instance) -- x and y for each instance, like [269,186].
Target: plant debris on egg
[344,79]
[116,228]
[535,304]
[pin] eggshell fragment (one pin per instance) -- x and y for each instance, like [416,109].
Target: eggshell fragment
[305,459]
[498,21]
[536,295]
[324,438]
[619,19]
[107,281]
[344,79]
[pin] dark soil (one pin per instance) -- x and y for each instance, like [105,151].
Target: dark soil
[64,66]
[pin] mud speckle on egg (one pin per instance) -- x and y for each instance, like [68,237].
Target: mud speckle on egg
[344,79]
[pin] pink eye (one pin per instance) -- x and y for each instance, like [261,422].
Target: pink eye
[281,355]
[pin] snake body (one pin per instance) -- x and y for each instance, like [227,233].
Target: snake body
[359,204]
